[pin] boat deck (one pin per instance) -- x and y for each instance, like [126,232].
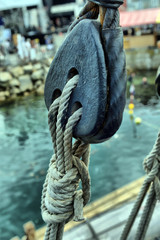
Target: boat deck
[105,218]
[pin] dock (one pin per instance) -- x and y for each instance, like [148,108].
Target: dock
[105,218]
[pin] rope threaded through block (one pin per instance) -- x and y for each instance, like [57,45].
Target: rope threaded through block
[61,199]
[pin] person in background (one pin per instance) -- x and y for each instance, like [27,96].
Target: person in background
[20,47]
[24,49]
[38,48]
[131,77]
[33,51]
[49,42]
[144,81]
[132,92]
[6,46]
[28,48]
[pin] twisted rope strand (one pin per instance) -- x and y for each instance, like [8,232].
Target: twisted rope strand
[146,216]
[68,138]
[155,152]
[86,154]
[85,178]
[111,19]
[152,167]
[63,105]
[60,198]
[52,118]
[135,209]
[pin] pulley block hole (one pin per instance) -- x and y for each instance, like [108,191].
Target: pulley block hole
[57,93]
[72,72]
[77,105]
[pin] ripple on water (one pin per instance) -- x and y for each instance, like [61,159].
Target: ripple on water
[26,148]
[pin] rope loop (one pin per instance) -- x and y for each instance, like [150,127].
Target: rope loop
[60,192]
[84,176]
[61,199]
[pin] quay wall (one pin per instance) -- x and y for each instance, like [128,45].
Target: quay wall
[21,80]
[26,78]
[143,58]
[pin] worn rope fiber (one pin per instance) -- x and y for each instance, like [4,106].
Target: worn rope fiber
[109,17]
[61,199]
[152,181]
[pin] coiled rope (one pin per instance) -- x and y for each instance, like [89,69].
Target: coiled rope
[61,199]
[152,181]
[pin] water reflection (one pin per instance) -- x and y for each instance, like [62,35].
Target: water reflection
[26,148]
[23,136]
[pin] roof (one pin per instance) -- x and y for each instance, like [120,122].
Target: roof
[140,17]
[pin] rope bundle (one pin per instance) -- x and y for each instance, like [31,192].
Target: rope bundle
[152,182]
[61,199]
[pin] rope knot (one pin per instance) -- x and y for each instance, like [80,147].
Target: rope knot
[61,200]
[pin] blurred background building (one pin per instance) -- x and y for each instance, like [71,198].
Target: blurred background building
[142,4]
[35,19]
[141,23]
[40,19]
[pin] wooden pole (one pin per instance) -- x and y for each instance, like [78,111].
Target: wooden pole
[29,229]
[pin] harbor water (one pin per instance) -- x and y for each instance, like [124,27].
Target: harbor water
[26,148]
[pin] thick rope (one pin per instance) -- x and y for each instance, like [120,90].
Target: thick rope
[61,199]
[109,17]
[89,11]
[152,168]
